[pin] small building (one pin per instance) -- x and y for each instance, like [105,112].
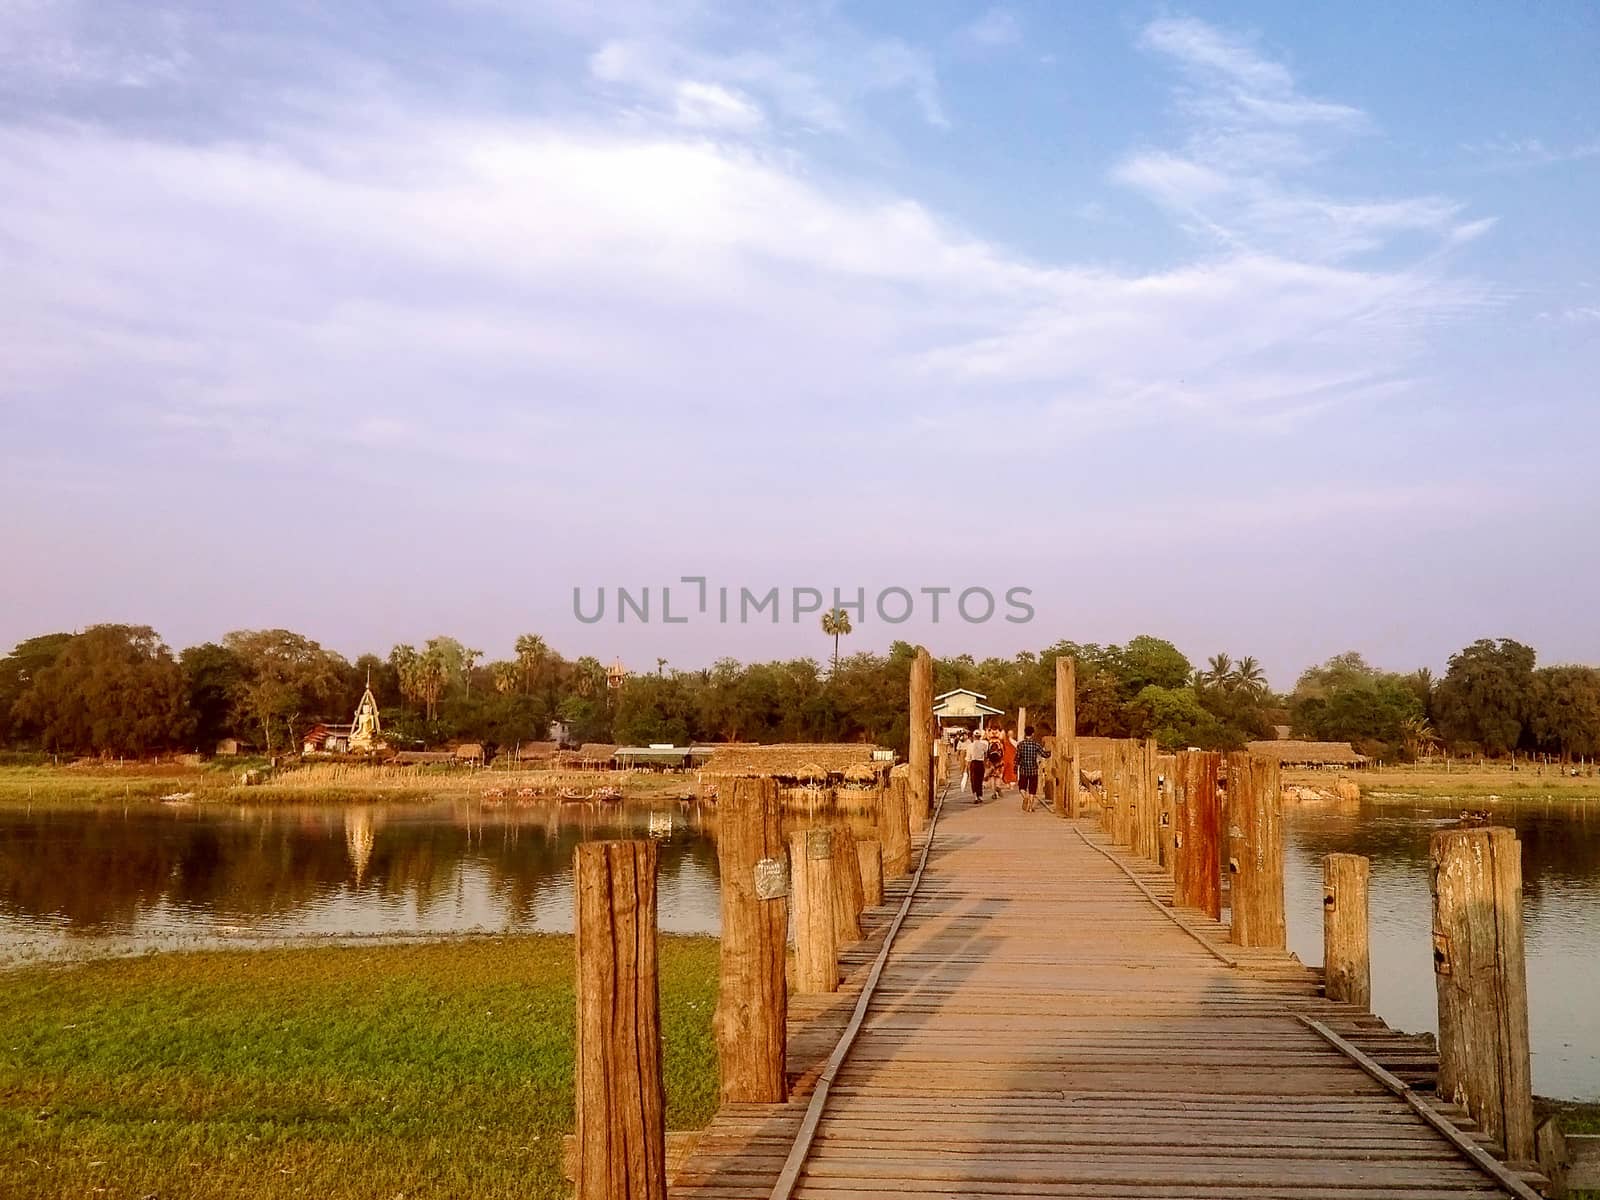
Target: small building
[232,747]
[323,738]
[596,756]
[469,752]
[560,733]
[963,704]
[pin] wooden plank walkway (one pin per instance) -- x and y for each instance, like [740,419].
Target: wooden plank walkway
[1042,1028]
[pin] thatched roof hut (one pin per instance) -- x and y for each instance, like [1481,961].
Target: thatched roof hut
[798,760]
[1292,753]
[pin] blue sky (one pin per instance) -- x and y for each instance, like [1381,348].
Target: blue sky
[1272,330]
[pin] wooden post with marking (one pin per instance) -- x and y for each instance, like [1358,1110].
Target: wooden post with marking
[752,999]
[1346,954]
[1149,803]
[1482,982]
[920,756]
[1065,798]
[869,852]
[848,894]
[816,936]
[1255,851]
[893,824]
[621,1101]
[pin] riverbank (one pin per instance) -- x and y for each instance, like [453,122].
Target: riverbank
[436,1070]
[1413,784]
[222,781]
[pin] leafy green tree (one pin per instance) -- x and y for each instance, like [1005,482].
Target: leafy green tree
[1177,720]
[113,689]
[288,681]
[1564,710]
[1486,694]
[212,677]
[1151,662]
[1346,700]
[17,673]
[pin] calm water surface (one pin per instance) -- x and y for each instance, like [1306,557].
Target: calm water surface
[81,883]
[1561,918]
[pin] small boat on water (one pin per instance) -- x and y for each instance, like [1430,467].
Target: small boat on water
[607,795]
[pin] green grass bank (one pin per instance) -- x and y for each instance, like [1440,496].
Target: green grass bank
[437,1070]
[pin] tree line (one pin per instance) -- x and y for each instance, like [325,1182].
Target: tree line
[120,690]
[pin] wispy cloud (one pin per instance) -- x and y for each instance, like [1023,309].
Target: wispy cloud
[1249,128]
[997,27]
[1509,154]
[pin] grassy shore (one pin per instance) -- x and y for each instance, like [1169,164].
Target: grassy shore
[219,781]
[440,1070]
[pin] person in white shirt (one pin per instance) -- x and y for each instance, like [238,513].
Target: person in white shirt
[977,760]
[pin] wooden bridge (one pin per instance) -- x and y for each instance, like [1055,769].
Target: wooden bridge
[1046,1024]
[1046,1004]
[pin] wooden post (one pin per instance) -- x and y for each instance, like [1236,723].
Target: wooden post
[1197,881]
[1482,982]
[816,937]
[1149,803]
[621,1102]
[1167,770]
[1255,851]
[1346,955]
[870,853]
[848,893]
[752,1001]
[1066,749]
[920,757]
[893,818]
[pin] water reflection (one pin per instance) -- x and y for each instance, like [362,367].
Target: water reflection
[81,881]
[1561,911]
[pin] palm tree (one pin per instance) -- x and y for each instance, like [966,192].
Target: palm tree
[1249,678]
[661,665]
[531,653]
[504,675]
[1419,737]
[836,624]
[1219,669]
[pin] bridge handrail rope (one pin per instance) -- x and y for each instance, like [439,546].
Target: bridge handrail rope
[795,1162]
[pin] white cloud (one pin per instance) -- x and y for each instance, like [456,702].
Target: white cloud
[1517,153]
[712,106]
[1249,129]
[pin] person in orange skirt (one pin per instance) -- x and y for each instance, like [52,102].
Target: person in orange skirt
[1008,758]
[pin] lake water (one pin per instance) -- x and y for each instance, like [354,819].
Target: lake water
[86,882]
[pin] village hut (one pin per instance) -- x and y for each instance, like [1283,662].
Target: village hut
[469,752]
[1291,753]
[537,754]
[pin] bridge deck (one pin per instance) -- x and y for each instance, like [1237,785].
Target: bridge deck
[1042,1028]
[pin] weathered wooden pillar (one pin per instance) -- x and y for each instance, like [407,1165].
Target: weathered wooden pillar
[1149,803]
[1255,851]
[893,824]
[848,893]
[1127,782]
[1066,748]
[1482,983]
[1167,770]
[920,757]
[752,1000]
[1197,881]
[816,936]
[1346,954]
[869,852]
[621,1100]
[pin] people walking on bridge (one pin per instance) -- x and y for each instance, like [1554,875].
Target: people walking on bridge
[1008,757]
[1029,752]
[977,760]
